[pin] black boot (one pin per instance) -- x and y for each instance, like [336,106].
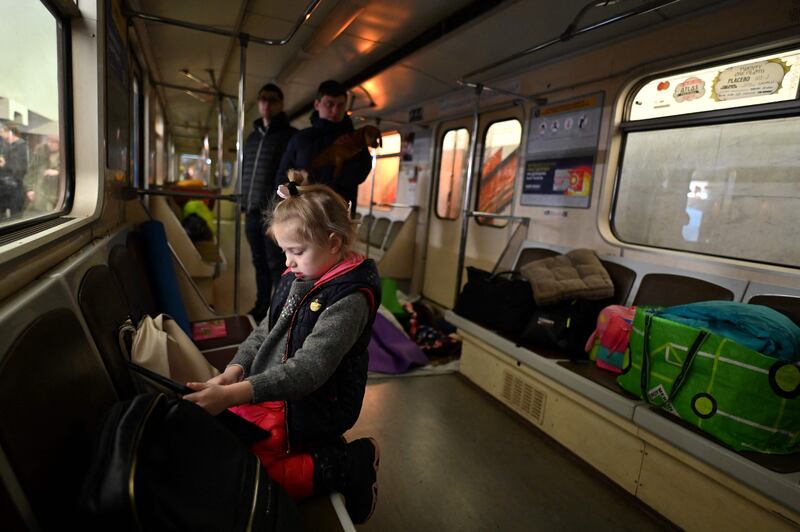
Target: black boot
[352,470]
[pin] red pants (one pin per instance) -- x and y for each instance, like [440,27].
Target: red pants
[293,471]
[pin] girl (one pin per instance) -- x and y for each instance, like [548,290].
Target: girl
[302,372]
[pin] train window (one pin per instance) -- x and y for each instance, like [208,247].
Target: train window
[33,180]
[387,168]
[718,183]
[500,160]
[452,170]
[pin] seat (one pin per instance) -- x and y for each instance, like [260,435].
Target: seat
[623,279]
[103,306]
[531,254]
[788,305]
[54,392]
[666,289]
[391,235]
[378,233]
[364,227]
[128,268]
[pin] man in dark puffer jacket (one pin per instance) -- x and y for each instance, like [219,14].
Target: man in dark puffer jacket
[329,121]
[262,154]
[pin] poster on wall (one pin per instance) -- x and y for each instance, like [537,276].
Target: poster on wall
[117,97]
[561,149]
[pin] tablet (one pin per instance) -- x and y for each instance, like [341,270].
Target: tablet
[247,432]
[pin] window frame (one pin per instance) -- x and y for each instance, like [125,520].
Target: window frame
[440,152]
[743,114]
[65,121]
[478,219]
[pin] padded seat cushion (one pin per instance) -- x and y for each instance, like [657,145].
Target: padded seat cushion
[577,274]
[54,392]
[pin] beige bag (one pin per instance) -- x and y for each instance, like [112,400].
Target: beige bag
[162,346]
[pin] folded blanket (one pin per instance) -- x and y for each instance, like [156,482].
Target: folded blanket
[578,274]
[757,327]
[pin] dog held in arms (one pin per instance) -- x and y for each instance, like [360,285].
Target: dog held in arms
[346,147]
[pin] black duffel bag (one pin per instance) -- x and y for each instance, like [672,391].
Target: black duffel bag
[501,301]
[166,464]
[564,326]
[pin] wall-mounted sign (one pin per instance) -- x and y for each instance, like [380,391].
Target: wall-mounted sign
[752,79]
[415,114]
[766,79]
[562,143]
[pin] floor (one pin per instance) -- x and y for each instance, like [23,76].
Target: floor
[452,458]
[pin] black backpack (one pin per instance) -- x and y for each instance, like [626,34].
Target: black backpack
[564,326]
[501,301]
[166,464]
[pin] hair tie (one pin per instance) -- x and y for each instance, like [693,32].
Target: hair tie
[288,189]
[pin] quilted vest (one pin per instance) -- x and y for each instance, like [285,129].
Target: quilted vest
[333,408]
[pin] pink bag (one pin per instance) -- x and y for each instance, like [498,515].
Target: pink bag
[609,341]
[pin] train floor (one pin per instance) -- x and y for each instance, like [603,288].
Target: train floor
[453,458]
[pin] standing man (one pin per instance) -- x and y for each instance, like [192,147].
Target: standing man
[329,121]
[262,154]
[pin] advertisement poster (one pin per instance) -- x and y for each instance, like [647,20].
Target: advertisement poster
[562,143]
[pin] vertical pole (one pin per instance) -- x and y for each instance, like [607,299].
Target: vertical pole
[372,197]
[243,39]
[220,170]
[465,212]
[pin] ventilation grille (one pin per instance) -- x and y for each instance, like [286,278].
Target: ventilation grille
[523,397]
[31,230]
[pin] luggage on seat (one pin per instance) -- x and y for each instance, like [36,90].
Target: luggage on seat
[565,326]
[501,301]
[608,344]
[743,398]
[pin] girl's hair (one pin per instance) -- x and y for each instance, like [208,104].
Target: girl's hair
[318,210]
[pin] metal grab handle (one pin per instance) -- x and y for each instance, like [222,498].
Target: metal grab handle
[395,205]
[176,193]
[480,214]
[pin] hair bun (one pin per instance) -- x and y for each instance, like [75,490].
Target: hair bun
[298,177]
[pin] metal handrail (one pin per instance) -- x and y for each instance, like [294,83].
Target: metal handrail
[228,33]
[395,205]
[481,214]
[234,198]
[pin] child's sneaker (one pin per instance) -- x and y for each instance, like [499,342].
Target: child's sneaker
[361,479]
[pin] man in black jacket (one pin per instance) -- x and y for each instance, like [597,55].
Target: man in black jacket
[262,154]
[329,121]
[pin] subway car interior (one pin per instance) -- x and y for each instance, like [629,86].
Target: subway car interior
[583,215]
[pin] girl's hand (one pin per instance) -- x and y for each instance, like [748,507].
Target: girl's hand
[214,398]
[229,376]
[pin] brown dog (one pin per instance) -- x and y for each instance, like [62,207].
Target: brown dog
[346,147]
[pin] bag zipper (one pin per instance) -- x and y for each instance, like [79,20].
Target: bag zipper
[136,442]
[255,499]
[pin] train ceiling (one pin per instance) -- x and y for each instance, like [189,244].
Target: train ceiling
[437,42]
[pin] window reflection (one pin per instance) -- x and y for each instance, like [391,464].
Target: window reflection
[32,181]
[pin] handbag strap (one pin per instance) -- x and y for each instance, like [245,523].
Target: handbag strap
[691,354]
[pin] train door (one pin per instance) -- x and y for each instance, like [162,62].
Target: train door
[492,191]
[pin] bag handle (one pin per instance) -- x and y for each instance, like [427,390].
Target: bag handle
[685,367]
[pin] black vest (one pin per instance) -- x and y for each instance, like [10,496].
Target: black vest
[333,408]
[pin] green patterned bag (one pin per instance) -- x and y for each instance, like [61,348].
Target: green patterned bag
[747,400]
